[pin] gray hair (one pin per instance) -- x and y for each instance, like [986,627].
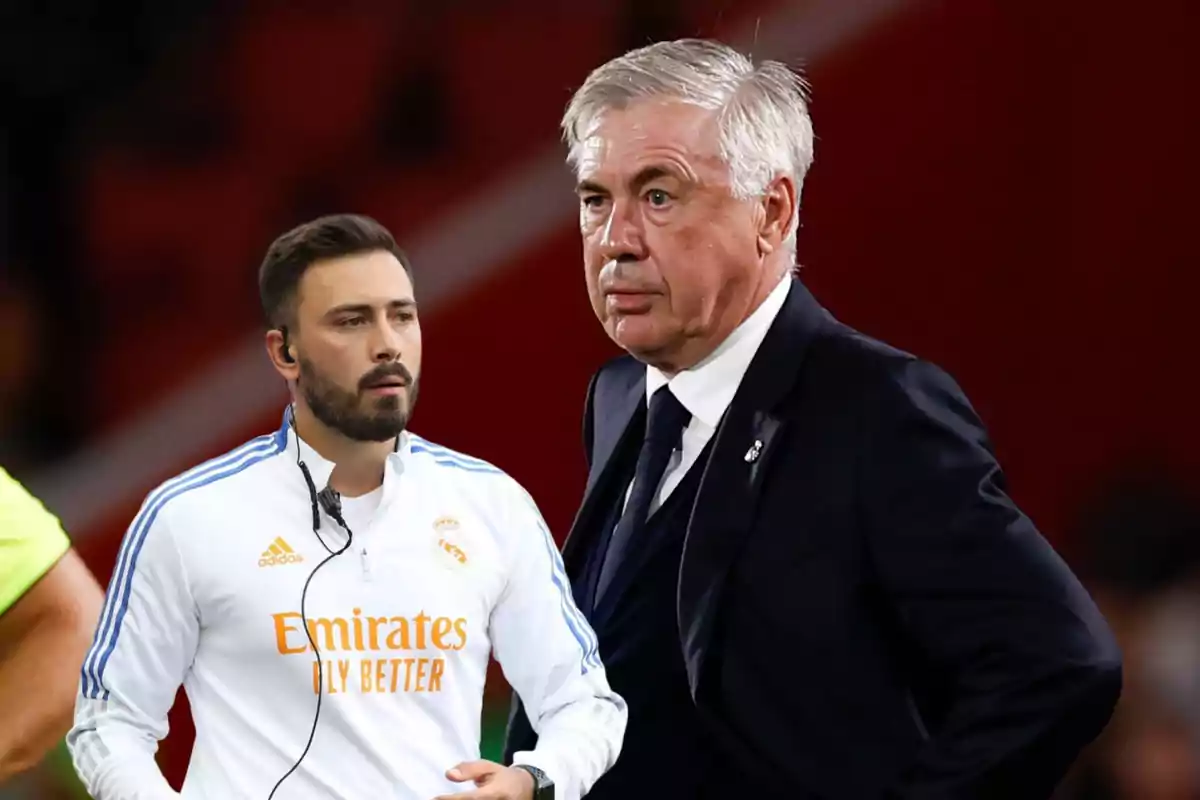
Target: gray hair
[763,118]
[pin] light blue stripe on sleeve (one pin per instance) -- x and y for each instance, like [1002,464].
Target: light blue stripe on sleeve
[450,458]
[584,635]
[578,626]
[117,602]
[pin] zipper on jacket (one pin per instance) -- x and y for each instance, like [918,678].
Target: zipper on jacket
[366,565]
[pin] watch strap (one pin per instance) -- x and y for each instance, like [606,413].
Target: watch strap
[543,787]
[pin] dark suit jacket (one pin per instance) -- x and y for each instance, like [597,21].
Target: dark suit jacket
[863,612]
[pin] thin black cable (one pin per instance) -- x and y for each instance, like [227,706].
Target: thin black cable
[333,507]
[312,733]
[312,489]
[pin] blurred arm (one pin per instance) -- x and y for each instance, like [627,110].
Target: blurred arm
[144,645]
[43,638]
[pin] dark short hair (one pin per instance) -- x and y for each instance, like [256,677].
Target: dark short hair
[290,256]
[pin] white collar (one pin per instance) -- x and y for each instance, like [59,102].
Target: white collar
[707,389]
[319,467]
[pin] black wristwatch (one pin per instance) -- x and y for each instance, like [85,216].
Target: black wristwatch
[543,787]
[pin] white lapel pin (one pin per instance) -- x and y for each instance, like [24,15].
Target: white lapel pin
[754,451]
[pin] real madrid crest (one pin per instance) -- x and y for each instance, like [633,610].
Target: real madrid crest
[445,528]
[445,524]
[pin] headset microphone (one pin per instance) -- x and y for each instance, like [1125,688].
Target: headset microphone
[331,501]
[312,495]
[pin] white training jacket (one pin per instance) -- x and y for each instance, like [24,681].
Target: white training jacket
[455,564]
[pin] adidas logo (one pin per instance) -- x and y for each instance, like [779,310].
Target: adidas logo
[279,553]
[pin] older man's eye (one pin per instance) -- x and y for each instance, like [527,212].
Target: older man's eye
[658,197]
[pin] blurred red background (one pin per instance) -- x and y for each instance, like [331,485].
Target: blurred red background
[1000,187]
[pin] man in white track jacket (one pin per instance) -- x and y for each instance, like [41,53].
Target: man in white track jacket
[329,594]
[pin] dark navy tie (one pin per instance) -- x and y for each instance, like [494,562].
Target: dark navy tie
[665,421]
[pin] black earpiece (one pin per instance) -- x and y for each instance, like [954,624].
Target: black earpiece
[283,347]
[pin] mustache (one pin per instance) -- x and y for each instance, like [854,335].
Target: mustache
[386,372]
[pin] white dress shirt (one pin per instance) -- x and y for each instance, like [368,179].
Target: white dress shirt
[707,389]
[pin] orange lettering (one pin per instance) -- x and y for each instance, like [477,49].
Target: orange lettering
[460,627]
[421,664]
[282,628]
[323,674]
[396,662]
[370,634]
[398,638]
[421,619]
[441,627]
[435,674]
[358,630]
[408,665]
[374,623]
[315,626]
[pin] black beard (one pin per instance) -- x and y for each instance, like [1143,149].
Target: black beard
[356,415]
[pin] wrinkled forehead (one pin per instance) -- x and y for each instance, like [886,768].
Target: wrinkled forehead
[618,142]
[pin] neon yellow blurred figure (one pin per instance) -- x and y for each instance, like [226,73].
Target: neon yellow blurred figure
[49,605]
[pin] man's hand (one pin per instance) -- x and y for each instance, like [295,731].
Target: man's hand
[492,781]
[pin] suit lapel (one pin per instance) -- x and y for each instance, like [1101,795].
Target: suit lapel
[620,395]
[745,441]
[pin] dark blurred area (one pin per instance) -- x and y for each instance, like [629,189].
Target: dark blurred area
[72,72]
[1141,560]
[1001,187]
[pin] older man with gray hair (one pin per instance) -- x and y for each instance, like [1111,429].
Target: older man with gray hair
[795,543]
